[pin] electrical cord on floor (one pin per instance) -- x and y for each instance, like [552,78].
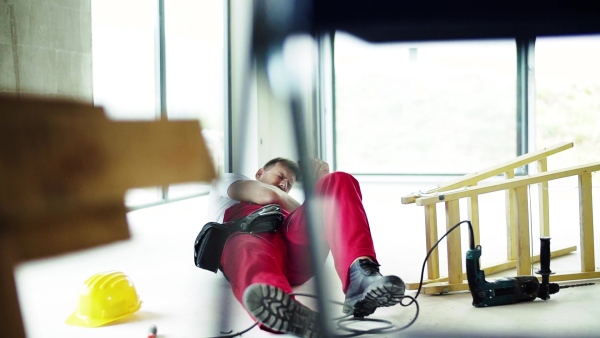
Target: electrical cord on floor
[343,321]
[238,333]
[471,245]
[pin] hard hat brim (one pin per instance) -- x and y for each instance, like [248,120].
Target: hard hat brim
[85,321]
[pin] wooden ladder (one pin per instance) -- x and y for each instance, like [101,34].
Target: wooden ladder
[517,218]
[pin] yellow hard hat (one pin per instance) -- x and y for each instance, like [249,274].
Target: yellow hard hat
[104,298]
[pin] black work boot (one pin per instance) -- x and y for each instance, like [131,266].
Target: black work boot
[369,290]
[278,311]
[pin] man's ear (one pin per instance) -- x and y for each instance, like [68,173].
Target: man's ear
[259,173]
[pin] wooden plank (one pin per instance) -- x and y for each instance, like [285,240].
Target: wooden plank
[453,239]
[523,237]
[511,183]
[431,237]
[496,268]
[81,227]
[508,265]
[574,276]
[439,288]
[476,177]
[96,162]
[409,199]
[556,253]
[543,207]
[65,168]
[494,170]
[473,211]
[511,220]
[10,312]
[586,223]
[29,107]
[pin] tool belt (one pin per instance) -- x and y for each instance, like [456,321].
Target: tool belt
[209,243]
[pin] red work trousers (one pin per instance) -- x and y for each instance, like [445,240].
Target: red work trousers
[282,258]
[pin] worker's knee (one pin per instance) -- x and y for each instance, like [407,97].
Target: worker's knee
[340,177]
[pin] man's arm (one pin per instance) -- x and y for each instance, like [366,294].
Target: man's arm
[260,193]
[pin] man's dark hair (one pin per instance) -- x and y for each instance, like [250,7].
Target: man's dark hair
[291,165]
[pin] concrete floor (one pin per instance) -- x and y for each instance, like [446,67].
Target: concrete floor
[186,302]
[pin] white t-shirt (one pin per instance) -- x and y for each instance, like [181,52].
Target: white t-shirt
[218,199]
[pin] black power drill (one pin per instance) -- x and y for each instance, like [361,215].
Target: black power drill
[509,290]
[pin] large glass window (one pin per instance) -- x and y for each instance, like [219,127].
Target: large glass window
[127,76]
[424,108]
[123,46]
[568,98]
[124,68]
[195,72]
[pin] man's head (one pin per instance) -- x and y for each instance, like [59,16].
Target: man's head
[279,172]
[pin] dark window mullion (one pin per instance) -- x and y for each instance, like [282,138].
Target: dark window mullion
[525,76]
[228,125]
[161,113]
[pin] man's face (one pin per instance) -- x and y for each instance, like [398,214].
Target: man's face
[277,175]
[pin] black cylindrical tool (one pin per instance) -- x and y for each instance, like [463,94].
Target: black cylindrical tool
[546,289]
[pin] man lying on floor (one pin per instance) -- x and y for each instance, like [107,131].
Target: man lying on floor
[263,267]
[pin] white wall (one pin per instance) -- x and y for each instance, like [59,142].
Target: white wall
[46,49]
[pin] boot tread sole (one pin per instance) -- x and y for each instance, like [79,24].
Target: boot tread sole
[278,311]
[383,295]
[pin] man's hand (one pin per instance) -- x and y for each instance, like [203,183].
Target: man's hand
[318,168]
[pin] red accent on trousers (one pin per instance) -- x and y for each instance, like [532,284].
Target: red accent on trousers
[282,258]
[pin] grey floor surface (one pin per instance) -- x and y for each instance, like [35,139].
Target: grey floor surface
[186,302]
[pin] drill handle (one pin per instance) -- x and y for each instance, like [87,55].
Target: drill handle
[546,288]
[475,276]
[544,256]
